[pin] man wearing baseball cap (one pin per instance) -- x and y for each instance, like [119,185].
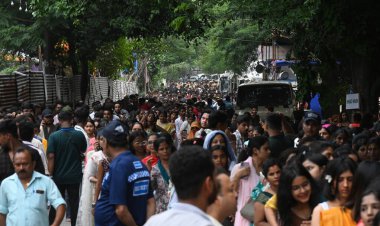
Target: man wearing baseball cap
[310,126]
[47,127]
[127,197]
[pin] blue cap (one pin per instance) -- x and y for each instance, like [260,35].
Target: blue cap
[47,113]
[115,132]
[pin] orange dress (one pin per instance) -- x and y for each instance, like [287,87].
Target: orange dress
[336,216]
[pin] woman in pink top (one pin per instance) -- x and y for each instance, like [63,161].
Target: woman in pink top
[246,175]
[89,127]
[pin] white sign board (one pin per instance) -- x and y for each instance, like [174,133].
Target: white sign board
[352,101]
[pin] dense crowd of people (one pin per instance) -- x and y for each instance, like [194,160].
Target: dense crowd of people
[180,157]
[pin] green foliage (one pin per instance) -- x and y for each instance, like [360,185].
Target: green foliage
[114,57]
[9,70]
[212,59]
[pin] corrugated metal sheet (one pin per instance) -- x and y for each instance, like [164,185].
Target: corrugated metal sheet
[22,88]
[99,89]
[8,91]
[76,87]
[94,93]
[19,88]
[123,89]
[37,89]
[65,88]
[51,89]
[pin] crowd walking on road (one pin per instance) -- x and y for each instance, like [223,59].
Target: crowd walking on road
[183,156]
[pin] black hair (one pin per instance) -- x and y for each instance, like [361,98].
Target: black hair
[90,121]
[215,118]
[316,158]
[26,131]
[359,140]
[329,130]
[39,167]
[285,199]
[58,102]
[219,147]
[243,118]
[108,106]
[269,163]
[81,114]
[25,117]
[320,146]
[376,220]
[343,132]
[256,142]
[26,105]
[344,151]
[119,142]
[97,107]
[284,156]
[373,188]
[376,142]
[98,115]
[65,116]
[259,129]
[164,139]
[332,173]
[224,149]
[9,126]
[189,167]
[366,172]
[274,121]
[133,136]
[305,140]
[24,148]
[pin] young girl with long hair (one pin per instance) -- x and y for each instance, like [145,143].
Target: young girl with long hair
[337,190]
[314,163]
[297,196]
[271,172]
[369,204]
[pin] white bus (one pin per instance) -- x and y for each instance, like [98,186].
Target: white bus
[277,94]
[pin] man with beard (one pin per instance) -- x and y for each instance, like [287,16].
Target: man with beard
[192,173]
[204,124]
[9,142]
[24,196]
[47,127]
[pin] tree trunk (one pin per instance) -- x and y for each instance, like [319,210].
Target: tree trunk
[329,96]
[72,56]
[48,52]
[361,82]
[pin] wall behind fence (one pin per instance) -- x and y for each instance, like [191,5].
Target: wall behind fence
[39,88]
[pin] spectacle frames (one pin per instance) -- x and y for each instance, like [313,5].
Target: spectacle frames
[143,143]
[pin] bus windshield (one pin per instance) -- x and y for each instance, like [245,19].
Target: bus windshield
[264,95]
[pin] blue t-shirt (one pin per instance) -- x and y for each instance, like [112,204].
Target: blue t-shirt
[126,183]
